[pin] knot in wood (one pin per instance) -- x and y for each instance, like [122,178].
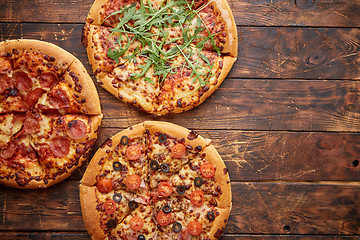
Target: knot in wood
[316,58]
[304,4]
[325,144]
[351,98]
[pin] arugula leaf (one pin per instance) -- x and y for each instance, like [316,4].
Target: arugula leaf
[149,80]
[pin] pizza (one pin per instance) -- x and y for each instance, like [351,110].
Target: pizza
[156,181]
[49,114]
[161,56]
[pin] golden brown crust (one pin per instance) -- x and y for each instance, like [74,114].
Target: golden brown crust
[94,16]
[221,176]
[84,86]
[231,44]
[227,65]
[89,178]
[91,49]
[177,131]
[219,223]
[63,59]
[89,211]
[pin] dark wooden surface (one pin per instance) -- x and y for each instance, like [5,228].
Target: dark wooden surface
[286,121]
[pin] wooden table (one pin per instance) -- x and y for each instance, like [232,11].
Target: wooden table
[286,121]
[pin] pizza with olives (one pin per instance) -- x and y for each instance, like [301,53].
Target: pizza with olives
[156,181]
[161,56]
[48,123]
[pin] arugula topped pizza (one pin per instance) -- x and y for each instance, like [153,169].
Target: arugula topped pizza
[161,56]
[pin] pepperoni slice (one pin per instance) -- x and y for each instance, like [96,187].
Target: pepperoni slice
[48,80]
[9,151]
[22,80]
[33,97]
[4,82]
[76,129]
[27,151]
[60,146]
[31,125]
[59,99]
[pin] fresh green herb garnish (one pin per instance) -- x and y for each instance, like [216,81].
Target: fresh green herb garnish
[151,27]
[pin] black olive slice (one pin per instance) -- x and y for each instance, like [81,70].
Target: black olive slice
[177,227]
[181,189]
[154,165]
[133,205]
[117,166]
[117,197]
[164,167]
[141,237]
[124,140]
[162,138]
[210,215]
[111,223]
[166,209]
[198,181]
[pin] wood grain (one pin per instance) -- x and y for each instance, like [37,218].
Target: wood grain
[85,236]
[279,156]
[264,52]
[260,208]
[334,13]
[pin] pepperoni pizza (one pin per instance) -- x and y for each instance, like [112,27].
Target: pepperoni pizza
[48,123]
[161,56]
[156,181]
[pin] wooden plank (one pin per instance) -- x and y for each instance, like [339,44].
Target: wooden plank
[334,13]
[85,236]
[258,208]
[295,208]
[279,156]
[270,105]
[322,13]
[300,105]
[264,52]
[53,11]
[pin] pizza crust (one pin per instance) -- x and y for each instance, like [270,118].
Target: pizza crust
[90,215]
[89,178]
[219,223]
[221,176]
[77,72]
[231,44]
[63,59]
[177,131]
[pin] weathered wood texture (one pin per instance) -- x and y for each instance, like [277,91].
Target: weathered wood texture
[264,52]
[85,236]
[261,208]
[300,105]
[279,156]
[334,13]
